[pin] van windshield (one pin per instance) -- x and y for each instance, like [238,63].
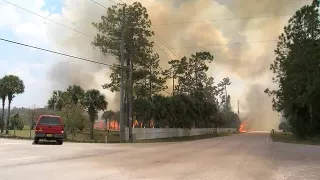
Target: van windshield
[53,121]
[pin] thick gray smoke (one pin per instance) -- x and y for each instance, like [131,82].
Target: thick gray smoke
[246,64]
[79,15]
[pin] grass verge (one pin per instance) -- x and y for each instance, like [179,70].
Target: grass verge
[186,138]
[83,137]
[288,137]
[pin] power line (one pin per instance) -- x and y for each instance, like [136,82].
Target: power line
[63,24]
[103,5]
[47,19]
[227,44]
[215,20]
[170,48]
[122,1]
[63,54]
[163,51]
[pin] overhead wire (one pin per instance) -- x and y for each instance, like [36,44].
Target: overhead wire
[228,44]
[216,20]
[158,37]
[47,18]
[166,44]
[101,4]
[59,53]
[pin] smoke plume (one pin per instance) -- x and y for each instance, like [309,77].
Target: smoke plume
[247,64]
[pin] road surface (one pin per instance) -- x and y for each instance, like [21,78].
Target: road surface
[251,156]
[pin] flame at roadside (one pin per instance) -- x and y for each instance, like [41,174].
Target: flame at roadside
[242,127]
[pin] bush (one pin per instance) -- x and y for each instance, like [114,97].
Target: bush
[16,123]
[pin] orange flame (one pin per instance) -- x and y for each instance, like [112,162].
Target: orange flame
[242,127]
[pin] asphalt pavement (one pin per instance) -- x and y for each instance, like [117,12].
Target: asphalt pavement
[250,156]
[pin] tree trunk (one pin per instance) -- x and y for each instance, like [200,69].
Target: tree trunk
[8,118]
[173,78]
[14,130]
[91,129]
[2,118]
[196,71]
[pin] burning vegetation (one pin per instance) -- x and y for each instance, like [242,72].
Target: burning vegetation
[242,127]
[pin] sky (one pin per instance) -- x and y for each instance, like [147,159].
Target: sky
[246,64]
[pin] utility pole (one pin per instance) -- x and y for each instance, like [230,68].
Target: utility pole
[130,87]
[122,127]
[130,98]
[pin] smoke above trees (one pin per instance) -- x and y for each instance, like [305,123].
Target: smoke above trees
[242,48]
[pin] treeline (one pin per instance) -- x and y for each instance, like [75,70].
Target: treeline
[297,72]
[193,100]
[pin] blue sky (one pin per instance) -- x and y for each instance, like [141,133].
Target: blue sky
[53,6]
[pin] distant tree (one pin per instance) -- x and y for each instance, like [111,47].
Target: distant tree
[56,101]
[173,72]
[194,72]
[13,85]
[94,102]
[16,123]
[108,115]
[223,92]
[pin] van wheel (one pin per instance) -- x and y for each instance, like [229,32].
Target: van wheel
[36,141]
[60,142]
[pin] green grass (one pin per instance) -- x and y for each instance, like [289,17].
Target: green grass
[288,137]
[99,135]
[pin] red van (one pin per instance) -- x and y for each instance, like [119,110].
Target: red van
[49,127]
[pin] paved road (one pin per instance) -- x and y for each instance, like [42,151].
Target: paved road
[249,156]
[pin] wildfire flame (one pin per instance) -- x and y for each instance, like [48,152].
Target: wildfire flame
[242,127]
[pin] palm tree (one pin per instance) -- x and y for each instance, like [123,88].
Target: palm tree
[56,100]
[3,96]
[107,116]
[76,93]
[13,85]
[94,102]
